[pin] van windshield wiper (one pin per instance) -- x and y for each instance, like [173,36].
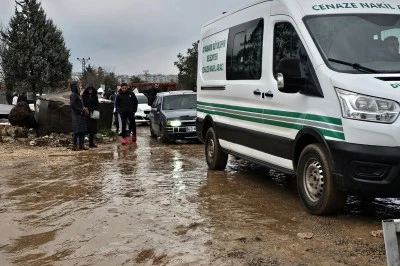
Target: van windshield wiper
[354,65]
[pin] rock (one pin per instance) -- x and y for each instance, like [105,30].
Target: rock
[305,235]
[22,116]
[41,142]
[99,137]
[378,233]
[54,115]
[64,141]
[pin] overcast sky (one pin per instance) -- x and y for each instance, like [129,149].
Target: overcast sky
[129,36]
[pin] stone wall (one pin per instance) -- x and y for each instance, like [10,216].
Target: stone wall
[7,130]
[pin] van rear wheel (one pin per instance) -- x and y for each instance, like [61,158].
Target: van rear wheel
[315,183]
[215,157]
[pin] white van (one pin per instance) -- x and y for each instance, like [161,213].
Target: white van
[310,88]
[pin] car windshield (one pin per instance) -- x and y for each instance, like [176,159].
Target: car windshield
[366,43]
[141,99]
[182,101]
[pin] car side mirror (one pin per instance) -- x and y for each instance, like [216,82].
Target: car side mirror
[289,75]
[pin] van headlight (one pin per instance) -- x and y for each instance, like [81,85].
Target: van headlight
[367,108]
[174,123]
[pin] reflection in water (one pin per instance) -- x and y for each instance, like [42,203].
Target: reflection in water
[382,209]
[110,205]
[106,205]
[245,199]
[177,172]
[355,206]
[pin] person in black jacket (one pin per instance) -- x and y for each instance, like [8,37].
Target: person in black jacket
[126,105]
[91,102]
[78,117]
[22,98]
[151,94]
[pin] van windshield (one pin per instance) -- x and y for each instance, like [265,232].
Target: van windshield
[356,43]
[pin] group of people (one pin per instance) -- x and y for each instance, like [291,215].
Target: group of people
[19,98]
[83,123]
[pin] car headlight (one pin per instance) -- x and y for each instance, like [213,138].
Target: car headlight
[174,123]
[367,108]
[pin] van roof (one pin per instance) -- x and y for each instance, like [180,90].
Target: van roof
[235,11]
[317,7]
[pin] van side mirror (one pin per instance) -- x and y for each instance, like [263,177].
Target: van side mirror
[289,75]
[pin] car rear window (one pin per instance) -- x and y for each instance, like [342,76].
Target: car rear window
[183,101]
[141,99]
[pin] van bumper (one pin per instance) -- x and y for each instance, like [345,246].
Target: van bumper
[366,170]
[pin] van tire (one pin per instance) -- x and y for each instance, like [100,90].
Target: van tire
[315,182]
[215,157]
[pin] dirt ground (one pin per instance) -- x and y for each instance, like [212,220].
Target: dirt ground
[151,203]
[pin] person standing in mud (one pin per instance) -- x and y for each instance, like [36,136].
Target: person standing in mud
[91,102]
[115,113]
[126,105]
[79,112]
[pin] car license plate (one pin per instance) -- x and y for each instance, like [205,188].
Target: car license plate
[191,129]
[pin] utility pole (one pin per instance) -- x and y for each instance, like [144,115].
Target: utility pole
[83,62]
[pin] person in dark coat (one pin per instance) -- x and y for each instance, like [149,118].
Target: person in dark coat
[151,94]
[22,98]
[115,113]
[78,118]
[126,105]
[91,102]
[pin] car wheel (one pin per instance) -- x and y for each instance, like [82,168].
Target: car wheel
[162,134]
[215,157]
[152,132]
[315,183]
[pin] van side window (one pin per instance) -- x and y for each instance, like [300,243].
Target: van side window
[288,47]
[244,51]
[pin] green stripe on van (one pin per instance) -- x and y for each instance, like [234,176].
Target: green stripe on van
[325,132]
[312,117]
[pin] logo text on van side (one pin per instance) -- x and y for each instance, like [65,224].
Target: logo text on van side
[322,7]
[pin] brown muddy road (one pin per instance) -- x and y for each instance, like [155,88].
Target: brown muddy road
[157,204]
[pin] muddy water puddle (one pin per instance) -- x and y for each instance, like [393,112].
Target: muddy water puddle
[151,203]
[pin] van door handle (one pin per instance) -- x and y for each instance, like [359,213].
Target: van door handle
[269,94]
[257,92]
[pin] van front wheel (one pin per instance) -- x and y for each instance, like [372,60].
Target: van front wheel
[316,185]
[215,157]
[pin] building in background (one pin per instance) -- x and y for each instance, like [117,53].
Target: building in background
[148,78]
[160,78]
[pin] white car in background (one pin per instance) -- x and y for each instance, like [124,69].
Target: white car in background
[143,111]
